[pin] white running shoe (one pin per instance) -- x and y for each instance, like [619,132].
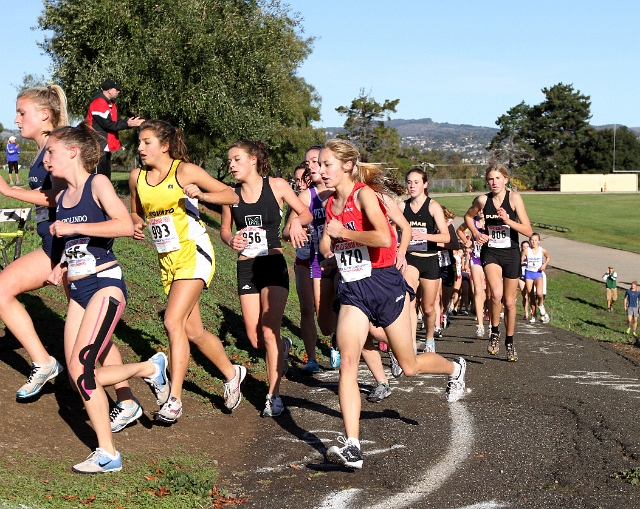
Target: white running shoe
[396,370]
[546,318]
[99,462]
[232,394]
[121,416]
[39,376]
[170,411]
[480,332]
[159,382]
[532,319]
[456,386]
[273,406]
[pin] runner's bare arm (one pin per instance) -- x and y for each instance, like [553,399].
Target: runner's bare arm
[194,180]
[137,213]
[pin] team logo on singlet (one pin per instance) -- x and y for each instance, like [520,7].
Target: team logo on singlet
[253,220]
[351,225]
[170,186]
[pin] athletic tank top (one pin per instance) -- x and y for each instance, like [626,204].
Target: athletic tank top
[172,216]
[84,253]
[40,179]
[260,221]
[534,261]
[477,247]
[355,260]
[319,217]
[424,222]
[501,236]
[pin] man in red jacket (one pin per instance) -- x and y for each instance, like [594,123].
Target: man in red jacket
[103,117]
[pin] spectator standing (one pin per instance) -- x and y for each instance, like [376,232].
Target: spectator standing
[13,154]
[103,117]
[631,307]
[610,278]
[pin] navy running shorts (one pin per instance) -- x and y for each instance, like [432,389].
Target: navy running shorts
[83,289]
[380,297]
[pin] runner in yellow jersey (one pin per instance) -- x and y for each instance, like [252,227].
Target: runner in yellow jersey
[166,192]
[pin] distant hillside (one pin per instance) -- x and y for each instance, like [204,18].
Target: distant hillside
[465,139]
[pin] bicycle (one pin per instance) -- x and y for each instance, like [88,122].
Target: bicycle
[21,216]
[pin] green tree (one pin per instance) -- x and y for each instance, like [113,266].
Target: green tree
[596,155]
[541,142]
[365,127]
[218,70]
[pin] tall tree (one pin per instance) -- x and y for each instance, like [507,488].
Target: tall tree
[218,70]
[365,127]
[597,154]
[541,142]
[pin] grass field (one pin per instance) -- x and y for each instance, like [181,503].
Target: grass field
[574,303]
[610,220]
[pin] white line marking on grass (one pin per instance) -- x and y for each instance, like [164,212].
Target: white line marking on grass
[459,448]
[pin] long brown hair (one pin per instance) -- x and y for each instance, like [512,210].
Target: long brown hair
[166,133]
[258,150]
[84,138]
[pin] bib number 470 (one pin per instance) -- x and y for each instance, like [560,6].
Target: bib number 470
[349,256]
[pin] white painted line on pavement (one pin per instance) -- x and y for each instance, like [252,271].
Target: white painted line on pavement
[492,504]
[604,378]
[460,443]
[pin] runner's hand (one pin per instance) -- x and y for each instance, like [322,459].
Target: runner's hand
[297,233]
[137,230]
[335,229]
[60,229]
[193,191]
[238,241]
[328,264]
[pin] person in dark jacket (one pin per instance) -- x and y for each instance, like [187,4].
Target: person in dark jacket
[103,117]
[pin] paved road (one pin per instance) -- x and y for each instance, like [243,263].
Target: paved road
[544,432]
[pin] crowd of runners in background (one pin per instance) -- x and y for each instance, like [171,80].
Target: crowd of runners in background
[375,261]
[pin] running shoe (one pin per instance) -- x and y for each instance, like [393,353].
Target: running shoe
[396,370]
[232,394]
[379,392]
[39,376]
[464,312]
[532,319]
[628,331]
[348,456]
[635,335]
[526,317]
[121,416]
[480,332]
[456,386]
[430,347]
[421,345]
[273,406]
[99,462]
[445,320]
[512,355]
[170,411]
[437,332]
[494,343]
[287,347]
[546,318]
[310,368]
[159,383]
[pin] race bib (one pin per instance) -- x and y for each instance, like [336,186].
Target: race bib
[476,249]
[80,262]
[164,234]
[444,260]
[42,214]
[257,242]
[353,261]
[418,245]
[499,236]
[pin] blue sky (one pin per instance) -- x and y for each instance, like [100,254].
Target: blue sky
[463,62]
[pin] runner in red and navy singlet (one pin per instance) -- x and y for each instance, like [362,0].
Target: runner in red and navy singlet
[359,240]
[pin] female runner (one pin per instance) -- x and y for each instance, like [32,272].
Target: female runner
[166,191]
[304,285]
[522,286]
[426,218]
[89,215]
[505,217]
[358,238]
[263,279]
[39,111]
[477,272]
[537,258]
